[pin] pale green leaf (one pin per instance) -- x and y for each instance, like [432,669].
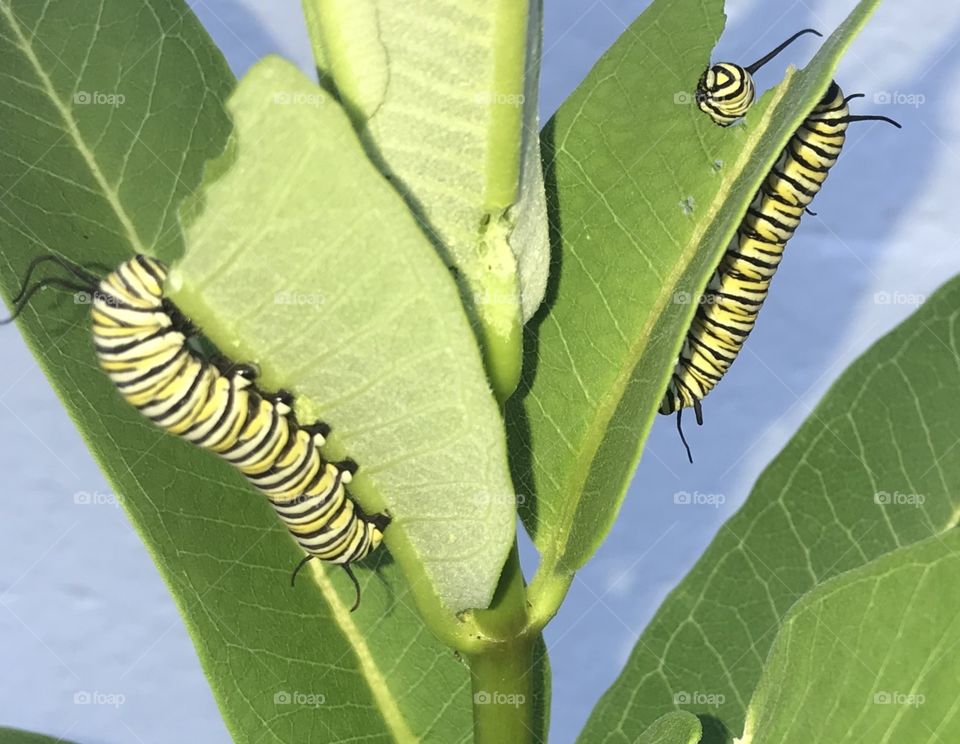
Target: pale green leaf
[330,287]
[444,96]
[678,727]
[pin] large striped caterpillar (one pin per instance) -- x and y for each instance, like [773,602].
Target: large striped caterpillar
[728,309]
[141,342]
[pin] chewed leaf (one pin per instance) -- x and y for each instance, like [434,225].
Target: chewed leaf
[98,178]
[642,215]
[330,287]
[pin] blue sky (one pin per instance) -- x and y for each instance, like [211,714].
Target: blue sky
[89,612]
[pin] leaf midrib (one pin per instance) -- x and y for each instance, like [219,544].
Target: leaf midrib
[386,701]
[609,403]
[73,130]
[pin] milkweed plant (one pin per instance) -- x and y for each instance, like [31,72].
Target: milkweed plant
[485,314]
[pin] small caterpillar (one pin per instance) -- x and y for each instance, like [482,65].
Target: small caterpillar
[726,91]
[140,338]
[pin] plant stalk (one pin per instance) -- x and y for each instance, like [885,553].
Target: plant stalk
[503,673]
[502,681]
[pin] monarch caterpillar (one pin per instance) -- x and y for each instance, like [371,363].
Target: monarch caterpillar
[726,91]
[140,339]
[728,309]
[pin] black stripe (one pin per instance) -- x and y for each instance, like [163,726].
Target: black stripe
[716,353]
[713,377]
[301,464]
[137,292]
[187,395]
[773,195]
[129,346]
[154,371]
[733,331]
[796,185]
[244,440]
[815,146]
[752,261]
[146,266]
[821,170]
[223,416]
[772,221]
[112,301]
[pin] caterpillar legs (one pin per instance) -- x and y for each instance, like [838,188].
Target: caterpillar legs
[346,568]
[698,412]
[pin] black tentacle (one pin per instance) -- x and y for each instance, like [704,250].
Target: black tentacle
[356,584]
[767,58]
[24,299]
[683,438]
[78,271]
[887,119]
[301,564]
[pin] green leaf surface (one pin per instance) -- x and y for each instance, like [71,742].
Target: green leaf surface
[873,655]
[873,469]
[93,138]
[440,91]
[678,727]
[18,736]
[330,287]
[96,182]
[646,193]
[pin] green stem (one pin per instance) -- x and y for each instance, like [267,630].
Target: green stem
[506,104]
[503,693]
[547,592]
[503,672]
[502,326]
[496,304]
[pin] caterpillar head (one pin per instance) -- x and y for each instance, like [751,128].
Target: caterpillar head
[725,93]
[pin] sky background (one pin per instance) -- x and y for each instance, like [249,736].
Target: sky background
[83,608]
